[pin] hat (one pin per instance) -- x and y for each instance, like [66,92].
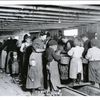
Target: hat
[38,44]
[52,42]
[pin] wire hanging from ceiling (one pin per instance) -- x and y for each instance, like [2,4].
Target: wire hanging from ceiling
[59,19]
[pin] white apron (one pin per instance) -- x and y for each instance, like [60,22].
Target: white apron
[75,68]
[54,74]
[3,59]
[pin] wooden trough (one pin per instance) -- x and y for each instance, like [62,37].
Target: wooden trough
[67,91]
[88,89]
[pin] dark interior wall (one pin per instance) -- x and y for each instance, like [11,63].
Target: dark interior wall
[5,33]
[56,32]
[90,30]
[20,33]
[98,30]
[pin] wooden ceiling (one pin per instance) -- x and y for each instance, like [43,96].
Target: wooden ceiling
[30,17]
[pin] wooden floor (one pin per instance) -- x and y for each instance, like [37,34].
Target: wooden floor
[9,88]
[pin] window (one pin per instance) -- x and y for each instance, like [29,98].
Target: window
[71,32]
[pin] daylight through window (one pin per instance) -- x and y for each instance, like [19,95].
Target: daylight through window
[71,32]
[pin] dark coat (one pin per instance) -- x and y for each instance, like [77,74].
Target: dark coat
[87,45]
[50,55]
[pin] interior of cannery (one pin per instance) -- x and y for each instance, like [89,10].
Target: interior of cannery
[50,50]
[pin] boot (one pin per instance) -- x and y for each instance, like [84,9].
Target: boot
[73,82]
[79,78]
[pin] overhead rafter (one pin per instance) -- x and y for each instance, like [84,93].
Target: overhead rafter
[27,16]
[37,8]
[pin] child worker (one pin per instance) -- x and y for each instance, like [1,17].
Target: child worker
[13,64]
[93,55]
[76,68]
[52,67]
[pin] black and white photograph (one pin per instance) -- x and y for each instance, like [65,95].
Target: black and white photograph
[49,49]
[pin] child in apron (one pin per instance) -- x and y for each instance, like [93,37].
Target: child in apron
[76,68]
[93,55]
[13,64]
[35,69]
[52,66]
[3,59]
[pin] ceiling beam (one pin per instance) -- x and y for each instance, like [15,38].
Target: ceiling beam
[46,19]
[44,14]
[23,25]
[91,7]
[52,10]
[64,7]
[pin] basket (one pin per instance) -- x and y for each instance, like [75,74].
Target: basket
[65,60]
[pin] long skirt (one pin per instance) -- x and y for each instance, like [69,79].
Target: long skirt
[94,71]
[24,67]
[63,71]
[85,72]
[54,74]
[7,69]
[75,68]
[15,67]
[36,72]
[3,59]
